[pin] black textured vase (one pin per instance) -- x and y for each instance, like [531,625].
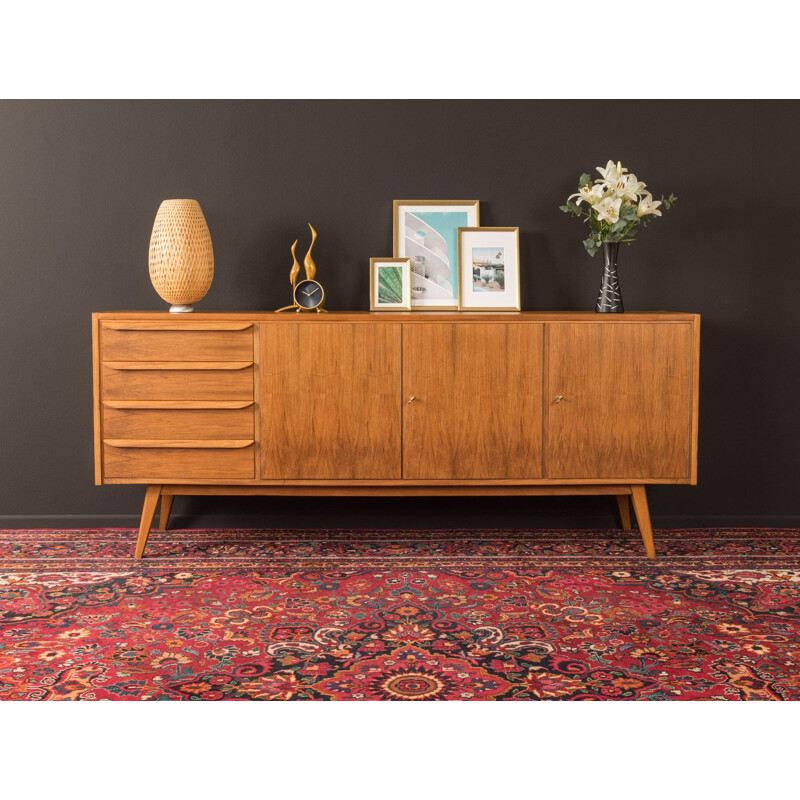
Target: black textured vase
[609,301]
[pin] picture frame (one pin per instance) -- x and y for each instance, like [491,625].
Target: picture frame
[426,232]
[488,269]
[385,293]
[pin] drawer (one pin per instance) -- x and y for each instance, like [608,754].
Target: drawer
[130,380]
[177,342]
[147,460]
[231,419]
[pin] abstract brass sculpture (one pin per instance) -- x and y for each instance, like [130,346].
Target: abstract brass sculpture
[295,270]
[308,262]
[308,295]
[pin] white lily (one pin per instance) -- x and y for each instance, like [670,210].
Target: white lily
[612,173]
[591,194]
[629,187]
[608,209]
[648,206]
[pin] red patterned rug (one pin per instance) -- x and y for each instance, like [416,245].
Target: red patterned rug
[400,615]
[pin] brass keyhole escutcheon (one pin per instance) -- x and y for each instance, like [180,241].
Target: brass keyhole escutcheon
[559,398]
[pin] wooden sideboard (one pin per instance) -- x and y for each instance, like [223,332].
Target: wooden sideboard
[388,404]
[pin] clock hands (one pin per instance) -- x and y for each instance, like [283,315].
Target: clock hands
[308,294]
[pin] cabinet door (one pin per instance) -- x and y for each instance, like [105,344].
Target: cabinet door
[330,400]
[477,411]
[626,400]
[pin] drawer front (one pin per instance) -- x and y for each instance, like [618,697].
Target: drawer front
[171,423]
[132,342]
[175,464]
[231,381]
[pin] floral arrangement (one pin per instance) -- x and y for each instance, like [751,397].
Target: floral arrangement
[615,205]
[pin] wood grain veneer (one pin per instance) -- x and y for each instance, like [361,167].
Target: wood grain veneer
[165,423]
[342,489]
[330,396]
[97,399]
[127,460]
[477,407]
[626,403]
[504,404]
[172,382]
[133,343]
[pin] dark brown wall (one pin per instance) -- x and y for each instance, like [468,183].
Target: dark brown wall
[80,183]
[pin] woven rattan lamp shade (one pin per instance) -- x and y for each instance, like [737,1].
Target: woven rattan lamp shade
[181,254]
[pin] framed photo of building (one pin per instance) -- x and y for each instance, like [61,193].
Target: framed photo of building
[426,232]
[488,268]
[390,284]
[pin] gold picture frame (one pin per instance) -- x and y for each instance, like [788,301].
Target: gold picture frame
[439,254]
[375,264]
[497,278]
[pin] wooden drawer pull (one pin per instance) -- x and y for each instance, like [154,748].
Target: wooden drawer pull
[173,405]
[159,326]
[189,444]
[177,365]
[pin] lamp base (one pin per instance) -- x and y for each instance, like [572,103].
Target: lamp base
[180,308]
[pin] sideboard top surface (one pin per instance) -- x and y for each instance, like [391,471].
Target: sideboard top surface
[399,316]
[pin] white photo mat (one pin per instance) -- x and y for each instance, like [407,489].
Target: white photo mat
[488,268]
[426,231]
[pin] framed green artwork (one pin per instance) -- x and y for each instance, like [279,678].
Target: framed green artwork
[390,284]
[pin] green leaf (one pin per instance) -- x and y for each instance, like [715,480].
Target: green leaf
[618,226]
[571,208]
[390,284]
[591,245]
[584,179]
[668,202]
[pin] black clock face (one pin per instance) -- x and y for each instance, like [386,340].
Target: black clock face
[308,294]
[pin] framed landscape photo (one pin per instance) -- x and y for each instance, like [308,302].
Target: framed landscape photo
[488,268]
[426,232]
[390,284]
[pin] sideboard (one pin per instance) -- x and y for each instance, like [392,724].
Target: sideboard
[396,404]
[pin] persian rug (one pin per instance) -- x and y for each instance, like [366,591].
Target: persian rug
[400,615]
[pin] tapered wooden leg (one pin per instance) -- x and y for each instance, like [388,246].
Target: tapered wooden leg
[624,511]
[639,497]
[166,507]
[148,512]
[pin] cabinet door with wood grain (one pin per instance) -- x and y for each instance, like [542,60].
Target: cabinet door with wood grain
[618,400]
[472,400]
[330,400]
